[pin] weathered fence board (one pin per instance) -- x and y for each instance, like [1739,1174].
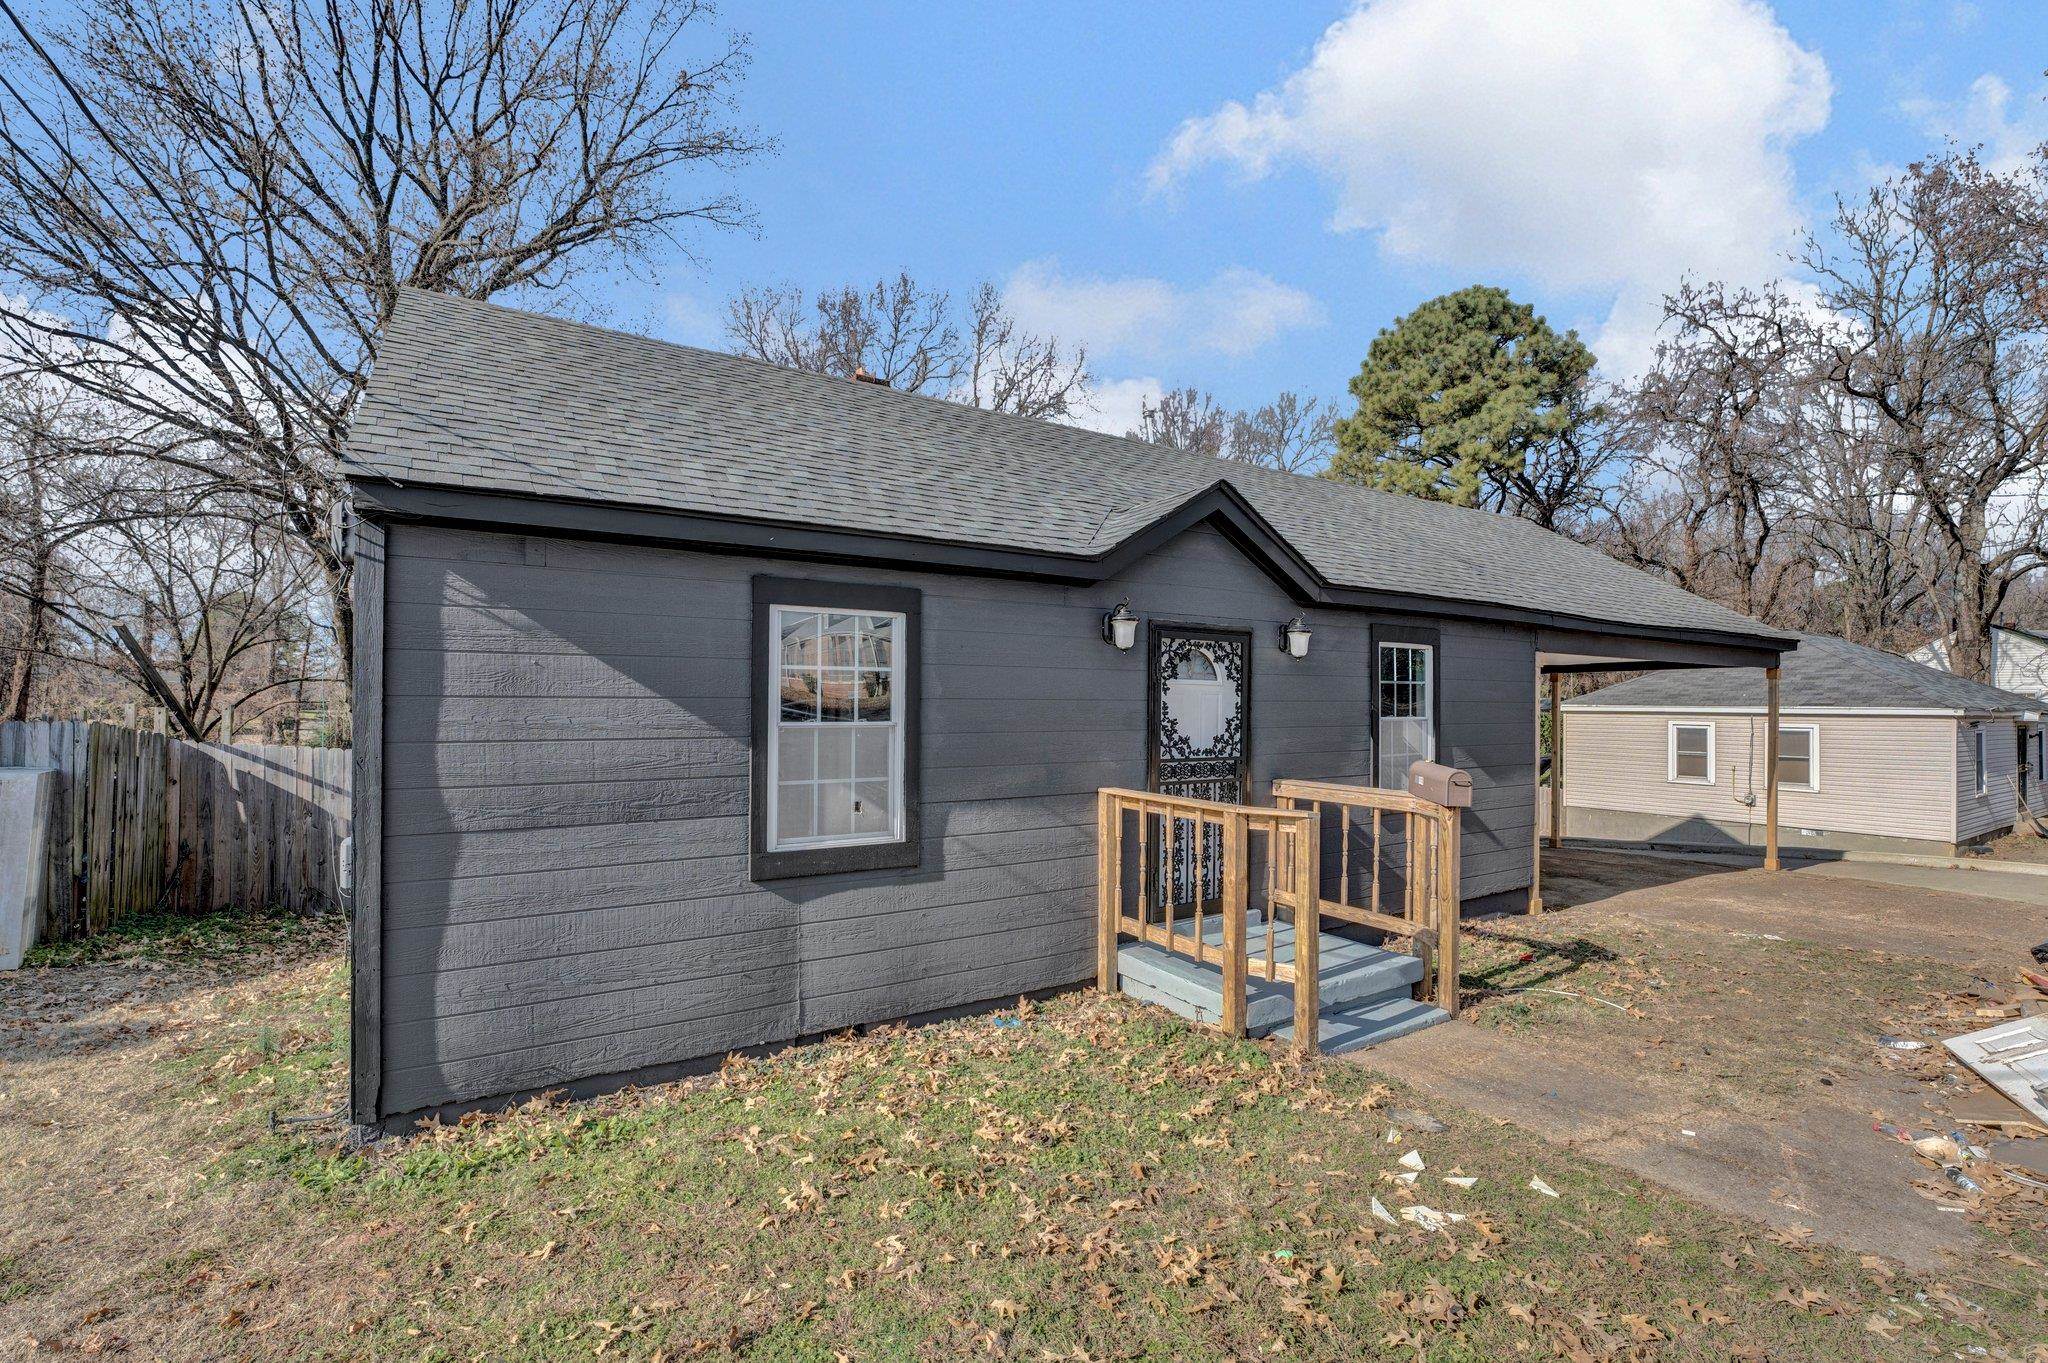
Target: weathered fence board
[146,822]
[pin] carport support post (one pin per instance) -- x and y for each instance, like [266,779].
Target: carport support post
[1536,794]
[1770,769]
[1556,760]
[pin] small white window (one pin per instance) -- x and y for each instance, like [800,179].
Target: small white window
[1982,780]
[1407,711]
[835,749]
[1798,757]
[1692,754]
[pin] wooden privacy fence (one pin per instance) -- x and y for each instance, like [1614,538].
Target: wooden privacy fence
[144,822]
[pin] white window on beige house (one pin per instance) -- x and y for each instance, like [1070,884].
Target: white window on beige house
[1798,757]
[1982,782]
[1691,759]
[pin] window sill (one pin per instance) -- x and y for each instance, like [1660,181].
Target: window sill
[825,861]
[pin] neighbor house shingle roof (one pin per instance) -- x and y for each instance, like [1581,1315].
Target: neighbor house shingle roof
[1823,673]
[481,398]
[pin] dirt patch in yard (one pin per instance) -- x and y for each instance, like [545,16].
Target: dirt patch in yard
[1717,1031]
[2024,846]
[1087,1179]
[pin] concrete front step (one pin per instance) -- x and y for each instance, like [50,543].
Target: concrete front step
[1361,987]
[1358,1026]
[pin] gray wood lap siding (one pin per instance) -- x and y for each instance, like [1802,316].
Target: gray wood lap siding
[566,787]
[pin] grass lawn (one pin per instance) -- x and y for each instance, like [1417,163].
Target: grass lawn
[1083,1179]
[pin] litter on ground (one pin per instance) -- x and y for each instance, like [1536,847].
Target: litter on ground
[2012,1057]
[1416,1121]
[1413,1160]
[1429,1218]
[1538,1185]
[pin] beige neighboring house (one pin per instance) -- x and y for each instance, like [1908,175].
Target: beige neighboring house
[2019,659]
[1878,753]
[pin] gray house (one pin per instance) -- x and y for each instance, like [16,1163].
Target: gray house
[703,704]
[1876,753]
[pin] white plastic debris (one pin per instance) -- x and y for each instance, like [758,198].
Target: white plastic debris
[1393,1136]
[1429,1218]
[1538,1185]
[1459,1181]
[1382,1213]
[1412,1160]
[1407,1176]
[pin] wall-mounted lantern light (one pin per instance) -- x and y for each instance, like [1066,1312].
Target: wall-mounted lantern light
[1294,638]
[1120,627]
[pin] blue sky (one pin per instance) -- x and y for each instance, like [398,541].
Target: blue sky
[1238,197]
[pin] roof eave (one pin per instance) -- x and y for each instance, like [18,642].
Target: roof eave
[388,498]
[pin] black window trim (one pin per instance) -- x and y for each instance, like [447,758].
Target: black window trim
[1386,633]
[833,594]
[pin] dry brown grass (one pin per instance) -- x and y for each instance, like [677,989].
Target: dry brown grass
[1085,1180]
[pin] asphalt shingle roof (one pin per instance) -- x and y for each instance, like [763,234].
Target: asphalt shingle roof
[1822,673]
[481,398]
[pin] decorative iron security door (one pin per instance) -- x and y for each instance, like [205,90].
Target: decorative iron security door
[1200,706]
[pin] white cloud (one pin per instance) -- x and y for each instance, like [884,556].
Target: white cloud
[1234,314]
[1115,405]
[1985,117]
[1592,147]
[689,320]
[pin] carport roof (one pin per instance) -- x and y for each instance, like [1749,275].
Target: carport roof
[1824,673]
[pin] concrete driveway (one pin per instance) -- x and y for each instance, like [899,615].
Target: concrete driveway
[1983,882]
[1739,1064]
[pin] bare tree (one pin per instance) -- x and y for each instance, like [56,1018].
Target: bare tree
[30,540]
[1932,285]
[209,206]
[1185,419]
[906,336]
[1703,500]
[1291,433]
[1867,538]
[1010,370]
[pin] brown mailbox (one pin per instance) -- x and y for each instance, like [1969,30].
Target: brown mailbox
[1440,785]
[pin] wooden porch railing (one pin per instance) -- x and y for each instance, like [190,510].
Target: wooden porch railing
[1194,859]
[1428,857]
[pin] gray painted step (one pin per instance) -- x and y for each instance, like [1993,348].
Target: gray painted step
[1358,1026]
[1352,975]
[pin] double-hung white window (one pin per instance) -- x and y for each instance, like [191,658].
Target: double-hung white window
[1690,760]
[1407,703]
[1798,757]
[835,739]
[835,732]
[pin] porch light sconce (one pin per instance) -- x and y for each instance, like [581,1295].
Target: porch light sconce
[1294,638]
[1120,627]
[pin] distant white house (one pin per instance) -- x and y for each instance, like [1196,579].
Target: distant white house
[2019,659]
[1875,753]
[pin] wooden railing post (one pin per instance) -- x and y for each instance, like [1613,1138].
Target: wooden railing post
[1307,934]
[1450,904]
[1236,909]
[1109,828]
